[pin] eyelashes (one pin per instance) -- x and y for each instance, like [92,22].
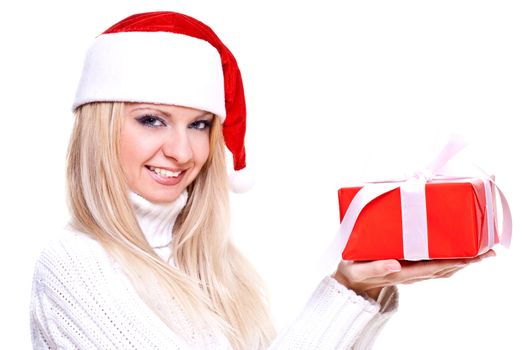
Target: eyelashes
[153,121]
[200,124]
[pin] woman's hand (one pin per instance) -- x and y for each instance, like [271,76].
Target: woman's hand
[370,277]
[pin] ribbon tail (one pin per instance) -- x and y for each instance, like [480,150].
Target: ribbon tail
[506,228]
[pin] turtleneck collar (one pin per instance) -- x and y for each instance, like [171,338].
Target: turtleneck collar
[157,220]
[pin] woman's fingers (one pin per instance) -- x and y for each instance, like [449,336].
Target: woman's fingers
[441,268]
[448,272]
[365,276]
[410,278]
[485,255]
[428,269]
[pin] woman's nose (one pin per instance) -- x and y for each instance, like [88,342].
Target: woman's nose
[178,146]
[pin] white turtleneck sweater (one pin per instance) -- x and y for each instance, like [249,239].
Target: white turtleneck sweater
[82,300]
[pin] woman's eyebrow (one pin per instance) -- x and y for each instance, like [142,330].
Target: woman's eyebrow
[164,113]
[205,114]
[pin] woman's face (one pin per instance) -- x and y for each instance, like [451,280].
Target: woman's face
[163,148]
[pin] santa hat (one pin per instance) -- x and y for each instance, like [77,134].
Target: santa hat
[190,65]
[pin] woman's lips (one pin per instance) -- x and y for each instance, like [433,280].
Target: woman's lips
[166,177]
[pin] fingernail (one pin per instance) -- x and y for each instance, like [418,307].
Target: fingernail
[489,254]
[393,267]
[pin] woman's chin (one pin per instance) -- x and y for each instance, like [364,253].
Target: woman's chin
[161,196]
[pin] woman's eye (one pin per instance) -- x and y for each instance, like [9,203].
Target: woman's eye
[200,124]
[151,121]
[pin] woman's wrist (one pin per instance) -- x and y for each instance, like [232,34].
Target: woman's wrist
[372,293]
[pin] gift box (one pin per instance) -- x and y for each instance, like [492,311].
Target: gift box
[448,219]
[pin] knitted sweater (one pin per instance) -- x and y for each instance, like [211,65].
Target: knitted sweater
[82,300]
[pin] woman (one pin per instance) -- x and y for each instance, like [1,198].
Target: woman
[147,262]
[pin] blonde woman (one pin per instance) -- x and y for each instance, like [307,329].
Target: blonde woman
[147,262]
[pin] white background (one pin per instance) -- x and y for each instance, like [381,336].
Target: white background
[337,92]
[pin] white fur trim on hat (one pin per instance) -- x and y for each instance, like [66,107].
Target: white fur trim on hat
[154,67]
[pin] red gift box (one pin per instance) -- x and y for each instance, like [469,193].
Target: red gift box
[458,221]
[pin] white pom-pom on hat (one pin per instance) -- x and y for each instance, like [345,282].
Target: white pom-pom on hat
[241,181]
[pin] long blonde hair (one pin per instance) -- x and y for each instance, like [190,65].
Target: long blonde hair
[211,282]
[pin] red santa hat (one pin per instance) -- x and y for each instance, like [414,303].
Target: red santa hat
[191,66]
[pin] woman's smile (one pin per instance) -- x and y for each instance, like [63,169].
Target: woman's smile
[164,176]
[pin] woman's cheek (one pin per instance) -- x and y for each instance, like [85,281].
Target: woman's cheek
[200,146]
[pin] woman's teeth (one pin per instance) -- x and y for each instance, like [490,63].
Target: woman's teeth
[164,172]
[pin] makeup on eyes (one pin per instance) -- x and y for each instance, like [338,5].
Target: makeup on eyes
[153,117]
[151,121]
[201,124]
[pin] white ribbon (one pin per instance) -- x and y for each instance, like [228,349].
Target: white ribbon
[413,205]
[490,215]
[414,220]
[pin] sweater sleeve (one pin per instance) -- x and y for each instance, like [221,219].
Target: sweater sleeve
[337,318]
[388,300]
[79,303]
